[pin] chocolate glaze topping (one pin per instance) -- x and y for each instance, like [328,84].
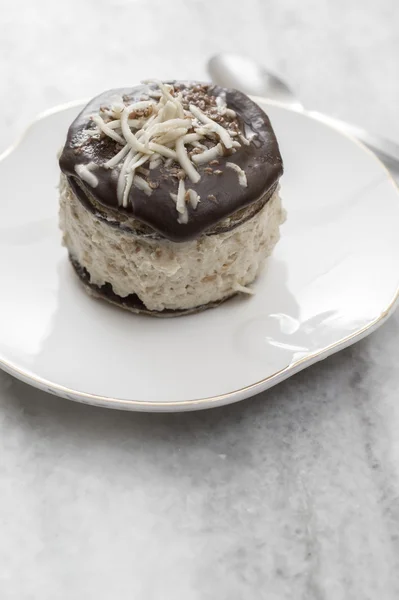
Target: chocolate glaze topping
[220,192]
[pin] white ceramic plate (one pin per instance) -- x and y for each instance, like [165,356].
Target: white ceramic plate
[333,278]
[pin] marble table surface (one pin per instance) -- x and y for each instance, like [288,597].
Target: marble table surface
[292,494]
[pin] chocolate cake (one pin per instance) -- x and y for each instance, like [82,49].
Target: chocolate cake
[169,196]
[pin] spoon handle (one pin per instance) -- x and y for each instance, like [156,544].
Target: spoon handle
[386,150]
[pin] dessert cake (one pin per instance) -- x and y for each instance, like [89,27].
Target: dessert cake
[169,196]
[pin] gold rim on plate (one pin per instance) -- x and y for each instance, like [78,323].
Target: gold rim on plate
[221,399]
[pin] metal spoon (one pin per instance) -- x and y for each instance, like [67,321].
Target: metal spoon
[230,70]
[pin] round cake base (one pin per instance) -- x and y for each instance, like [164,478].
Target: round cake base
[132,302]
[165,277]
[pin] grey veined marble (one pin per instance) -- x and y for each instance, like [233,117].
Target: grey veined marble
[293,494]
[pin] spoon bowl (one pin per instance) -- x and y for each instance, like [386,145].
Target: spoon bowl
[244,74]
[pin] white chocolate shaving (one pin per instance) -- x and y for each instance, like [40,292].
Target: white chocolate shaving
[141,184]
[107,130]
[129,175]
[164,87]
[169,111]
[185,161]
[229,112]
[155,162]
[130,138]
[205,132]
[181,203]
[122,178]
[163,150]
[117,105]
[180,110]
[221,131]
[166,92]
[168,162]
[191,137]
[112,162]
[137,161]
[199,145]
[141,105]
[116,124]
[128,186]
[208,155]
[84,173]
[133,123]
[221,103]
[171,136]
[194,198]
[153,119]
[183,219]
[242,178]
[169,125]
[143,171]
